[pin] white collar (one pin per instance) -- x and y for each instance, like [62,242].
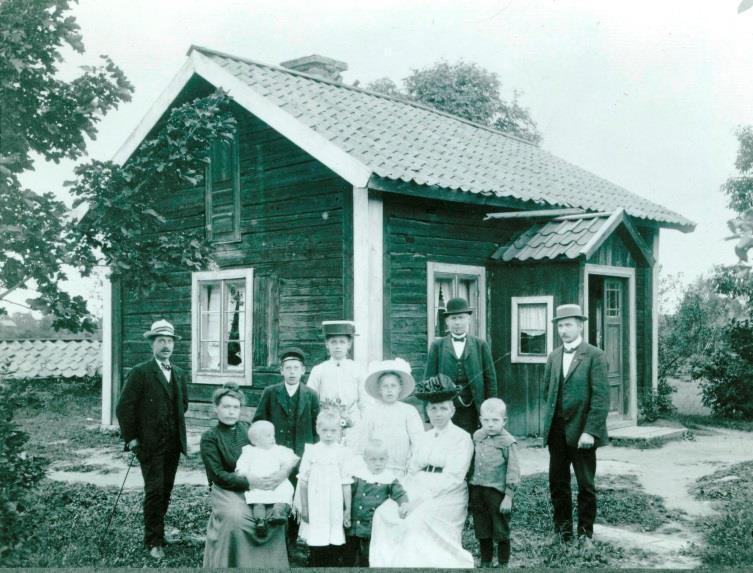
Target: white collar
[291,388]
[574,344]
[438,432]
[386,477]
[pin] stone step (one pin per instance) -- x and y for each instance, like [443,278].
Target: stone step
[651,436]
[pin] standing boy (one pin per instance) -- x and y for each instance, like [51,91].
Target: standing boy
[150,412]
[467,361]
[292,407]
[496,474]
[575,423]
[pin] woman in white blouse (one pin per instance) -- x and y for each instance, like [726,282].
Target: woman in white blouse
[430,534]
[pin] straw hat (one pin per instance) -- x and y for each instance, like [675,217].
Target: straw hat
[399,367]
[161,328]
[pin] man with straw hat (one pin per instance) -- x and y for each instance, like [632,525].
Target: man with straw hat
[575,421]
[151,415]
[467,361]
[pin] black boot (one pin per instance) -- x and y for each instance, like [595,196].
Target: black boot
[487,548]
[503,551]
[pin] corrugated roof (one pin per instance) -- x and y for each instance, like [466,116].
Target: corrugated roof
[552,240]
[48,358]
[403,141]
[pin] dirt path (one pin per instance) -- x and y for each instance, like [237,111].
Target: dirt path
[669,472]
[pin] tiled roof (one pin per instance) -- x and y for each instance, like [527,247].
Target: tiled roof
[48,358]
[551,240]
[403,141]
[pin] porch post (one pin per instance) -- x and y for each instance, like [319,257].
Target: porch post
[655,313]
[368,275]
[106,416]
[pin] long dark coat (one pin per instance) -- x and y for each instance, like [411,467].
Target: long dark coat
[142,410]
[478,362]
[585,398]
[273,407]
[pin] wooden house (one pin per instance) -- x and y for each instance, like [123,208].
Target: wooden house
[338,203]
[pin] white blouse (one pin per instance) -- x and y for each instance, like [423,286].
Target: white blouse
[450,449]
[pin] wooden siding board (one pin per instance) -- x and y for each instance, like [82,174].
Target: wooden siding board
[293,213]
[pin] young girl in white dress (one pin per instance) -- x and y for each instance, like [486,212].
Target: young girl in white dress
[323,496]
[388,419]
[339,379]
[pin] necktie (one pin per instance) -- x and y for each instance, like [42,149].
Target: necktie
[458,338]
[166,366]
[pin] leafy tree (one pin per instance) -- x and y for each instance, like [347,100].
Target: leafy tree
[124,222]
[43,114]
[468,91]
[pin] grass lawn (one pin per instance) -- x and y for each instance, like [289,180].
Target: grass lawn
[65,523]
[693,421]
[729,541]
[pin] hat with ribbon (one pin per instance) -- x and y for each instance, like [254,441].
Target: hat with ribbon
[439,388]
[399,368]
[161,328]
[568,311]
[338,328]
[292,353]
[457,306]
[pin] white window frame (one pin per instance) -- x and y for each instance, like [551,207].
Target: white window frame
[243,377]
[515,356]
[479,314]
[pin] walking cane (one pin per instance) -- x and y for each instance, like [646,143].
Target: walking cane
[114,507]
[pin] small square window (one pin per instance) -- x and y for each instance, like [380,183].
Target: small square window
[532,333]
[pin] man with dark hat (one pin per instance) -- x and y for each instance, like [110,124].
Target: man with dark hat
[150,412]
[575,421]
[292,408]
[467,361]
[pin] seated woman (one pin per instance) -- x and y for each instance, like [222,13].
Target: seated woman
[232,539]
[430,533]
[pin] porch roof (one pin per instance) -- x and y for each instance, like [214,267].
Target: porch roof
[569,238]
[51,358]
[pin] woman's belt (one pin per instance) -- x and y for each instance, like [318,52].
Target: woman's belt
[432,469]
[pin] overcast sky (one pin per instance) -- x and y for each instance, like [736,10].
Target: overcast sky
[644,93]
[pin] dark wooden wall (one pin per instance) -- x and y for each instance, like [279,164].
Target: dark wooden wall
[522,385]
[418,231]
[292,235]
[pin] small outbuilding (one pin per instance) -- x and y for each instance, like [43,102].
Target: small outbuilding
[334,202]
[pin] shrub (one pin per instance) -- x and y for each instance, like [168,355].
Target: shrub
[658,403]
[19,472]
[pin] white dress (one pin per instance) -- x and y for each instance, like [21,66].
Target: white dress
[431,534]
[325,468]
[257,462]
[398,425]
[342,380]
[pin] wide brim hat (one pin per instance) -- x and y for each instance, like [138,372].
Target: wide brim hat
[439,388]
[292,353]
[457,306]
[161,328]
[568,311]
[399,367]
[338,328]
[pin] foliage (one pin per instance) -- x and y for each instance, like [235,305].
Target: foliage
[43,114]
[468,91]
[26,325]
[125,221]
[20,471]
[658,402]
[728,532]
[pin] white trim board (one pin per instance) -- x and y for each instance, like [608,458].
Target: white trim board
[629,274]
[312,142]
[368,275]
[106,418]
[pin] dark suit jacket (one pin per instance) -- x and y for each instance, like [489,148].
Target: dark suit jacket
[479,366]
[273,407]
[142,410]
[585,394]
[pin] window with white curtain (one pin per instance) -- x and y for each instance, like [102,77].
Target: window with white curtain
[221,343]
[532,332]
[446,281]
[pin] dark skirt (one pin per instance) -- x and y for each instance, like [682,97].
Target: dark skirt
[231,539]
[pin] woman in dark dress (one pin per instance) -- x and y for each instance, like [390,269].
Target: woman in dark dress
[231,538]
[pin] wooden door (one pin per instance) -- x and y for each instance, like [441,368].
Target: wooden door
[615,338]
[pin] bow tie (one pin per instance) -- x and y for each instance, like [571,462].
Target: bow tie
[567,350]
[165,366]
[458,338]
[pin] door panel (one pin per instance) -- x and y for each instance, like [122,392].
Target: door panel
[614,322]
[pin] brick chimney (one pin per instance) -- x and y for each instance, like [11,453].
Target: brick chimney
[316,65]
